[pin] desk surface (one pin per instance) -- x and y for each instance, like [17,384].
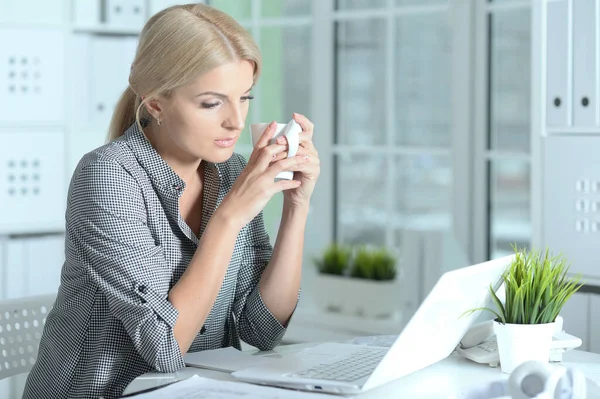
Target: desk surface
[443,379]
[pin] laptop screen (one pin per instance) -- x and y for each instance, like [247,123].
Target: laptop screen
[439,323]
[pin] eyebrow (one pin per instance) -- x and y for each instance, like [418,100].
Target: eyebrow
[221,95]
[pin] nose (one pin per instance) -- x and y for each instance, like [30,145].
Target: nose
[235,119]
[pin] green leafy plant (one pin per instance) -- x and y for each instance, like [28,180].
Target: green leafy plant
[335,260]
[536,286]
[373,264]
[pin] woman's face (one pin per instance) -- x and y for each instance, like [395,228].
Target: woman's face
[204,119]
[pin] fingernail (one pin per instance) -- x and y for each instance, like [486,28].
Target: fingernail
[305,157]
[280,139]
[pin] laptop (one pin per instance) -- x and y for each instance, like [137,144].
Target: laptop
[431,335]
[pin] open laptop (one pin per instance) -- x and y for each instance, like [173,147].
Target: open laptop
[431,335]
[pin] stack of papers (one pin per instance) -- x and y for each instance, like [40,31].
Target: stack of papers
[204,388]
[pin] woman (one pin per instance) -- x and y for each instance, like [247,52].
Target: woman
[166,250]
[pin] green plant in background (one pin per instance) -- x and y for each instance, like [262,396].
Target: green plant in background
[536,286]
[335,260]
[373,264]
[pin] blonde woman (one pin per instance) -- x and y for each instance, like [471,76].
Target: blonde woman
[166,250]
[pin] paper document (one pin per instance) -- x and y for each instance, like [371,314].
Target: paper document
[224,359]
[203,388]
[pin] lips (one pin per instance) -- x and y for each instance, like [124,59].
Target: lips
[225,143]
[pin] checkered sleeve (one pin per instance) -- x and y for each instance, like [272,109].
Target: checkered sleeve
[107,221]
[255,323]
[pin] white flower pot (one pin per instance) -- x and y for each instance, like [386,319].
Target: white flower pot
[358,297]
[518,343]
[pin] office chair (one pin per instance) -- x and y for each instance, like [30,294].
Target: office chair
[21,324]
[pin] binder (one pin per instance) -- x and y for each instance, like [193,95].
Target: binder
[111,59]
[16,261]
[158,5]
[32,81]
[584,63]
[31,12]
[80,82]
[45,257]
[3,283]
[33,265]
[594,324]
[558,99]
[568,227]
[32,182]
[125,13]
[86,12]
[79,143]
[576,318]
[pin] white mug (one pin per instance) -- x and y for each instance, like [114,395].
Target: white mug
[290,131]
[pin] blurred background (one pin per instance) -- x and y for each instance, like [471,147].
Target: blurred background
[448,130]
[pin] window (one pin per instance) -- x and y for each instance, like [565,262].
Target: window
[282,30]
[393,136]
[508,131]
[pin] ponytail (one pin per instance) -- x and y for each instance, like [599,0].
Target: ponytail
[126,112]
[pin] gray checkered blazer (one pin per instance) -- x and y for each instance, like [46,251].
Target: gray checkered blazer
[126,245]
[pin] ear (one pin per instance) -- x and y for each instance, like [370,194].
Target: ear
[154,107]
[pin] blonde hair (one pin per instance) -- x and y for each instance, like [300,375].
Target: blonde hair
[177,45]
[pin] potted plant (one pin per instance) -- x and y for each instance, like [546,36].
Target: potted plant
[335,260]
[358,281]
[536,288]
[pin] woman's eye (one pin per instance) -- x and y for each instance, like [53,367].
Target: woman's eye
[246,98]
[210,105]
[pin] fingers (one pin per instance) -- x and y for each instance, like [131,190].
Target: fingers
[305,137]
[305,123]
[296,164]
[283,185]
[266,136]
[307,147]
[268,154]
[280,156]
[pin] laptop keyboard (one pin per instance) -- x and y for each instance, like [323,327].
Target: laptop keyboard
[357,365]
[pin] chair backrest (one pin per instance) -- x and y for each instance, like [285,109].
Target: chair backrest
[21,324]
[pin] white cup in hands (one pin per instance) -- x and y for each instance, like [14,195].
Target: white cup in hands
[290,131]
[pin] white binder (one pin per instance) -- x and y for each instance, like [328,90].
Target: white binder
[45,257]
[32,182]
[33,265]
[14,267]
[158,5]
[569,228]
[44,12]
[3,284]
[558,97]
[79,82]
[594,324]
[86,12]
[125,13]
[584,63]
[32,76]
[79,143]
[111,59]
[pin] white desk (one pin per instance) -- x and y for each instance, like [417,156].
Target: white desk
[441,380]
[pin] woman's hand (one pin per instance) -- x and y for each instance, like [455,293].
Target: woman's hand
[256,184]
[308,172]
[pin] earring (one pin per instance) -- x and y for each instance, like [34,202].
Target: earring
[158,121]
